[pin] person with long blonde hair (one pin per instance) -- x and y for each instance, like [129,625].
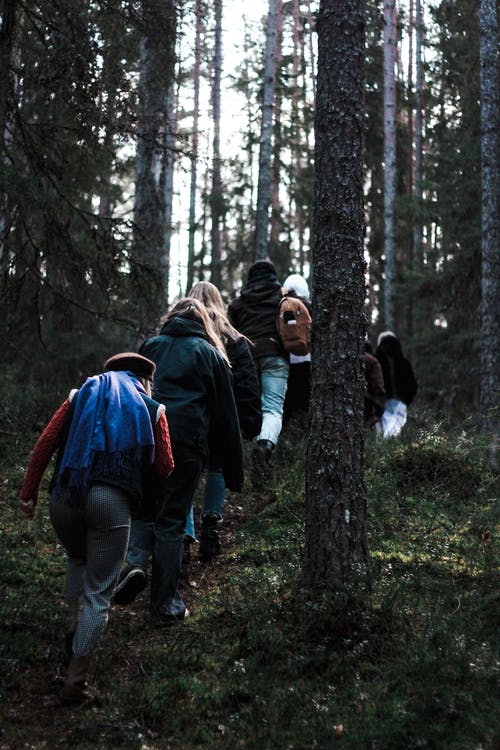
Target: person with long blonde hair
[247,397]
[193,380]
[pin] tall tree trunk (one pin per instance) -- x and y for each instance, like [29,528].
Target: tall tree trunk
[264,182]
[168,186]
[148,282]
[6,43]
[194,146]
[276,220]
[389,158]
[490,162]
[216,197]
[417,175]
[310,24]
[335,497]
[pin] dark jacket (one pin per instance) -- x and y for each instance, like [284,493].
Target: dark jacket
[399,380]
[254,314]
[245,386]
[195,384]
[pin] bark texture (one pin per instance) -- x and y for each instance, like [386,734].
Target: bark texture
[216,196]
[389,157]
[264,183]
[335,498]
[194,147]
[155,84]
[490,163]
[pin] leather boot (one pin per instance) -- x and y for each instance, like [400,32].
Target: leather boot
[73,691]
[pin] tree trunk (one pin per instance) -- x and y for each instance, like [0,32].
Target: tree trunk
[264,182]
[168,187]
[6,43]
[148,282]
[389,158]
[216,197]
[194,146]
[276,219]
[335,497]
[417,175]
[490,162]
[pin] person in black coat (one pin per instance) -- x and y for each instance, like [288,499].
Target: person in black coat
[399,383]
[193,380]
[247,397]
[254,314]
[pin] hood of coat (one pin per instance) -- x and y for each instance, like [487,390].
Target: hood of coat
[259,290]
[389,343]
[181,325]
[297,283]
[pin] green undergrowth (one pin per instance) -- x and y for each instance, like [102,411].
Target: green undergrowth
[407,660]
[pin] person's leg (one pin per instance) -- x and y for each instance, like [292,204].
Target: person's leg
[274,378]
[177,498]
[213,506]
[133,577]
[107,515]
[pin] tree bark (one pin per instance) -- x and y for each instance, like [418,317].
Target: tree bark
[389,158]
[194,146]
[264,181]
[148,282]
[335,497]
[490,163]
[216,196]
[418,132]
[6,44]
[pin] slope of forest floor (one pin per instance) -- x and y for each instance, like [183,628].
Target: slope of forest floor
[409,661]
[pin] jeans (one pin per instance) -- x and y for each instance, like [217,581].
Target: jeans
[162,536]
[273,373]
[213,499]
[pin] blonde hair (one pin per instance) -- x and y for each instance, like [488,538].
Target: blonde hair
[189,307]
[208,294]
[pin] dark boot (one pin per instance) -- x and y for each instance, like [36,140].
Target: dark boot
[73,692]
[186,558]
[261,462]
[209,538]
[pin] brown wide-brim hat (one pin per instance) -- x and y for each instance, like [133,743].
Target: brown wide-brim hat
[140,366]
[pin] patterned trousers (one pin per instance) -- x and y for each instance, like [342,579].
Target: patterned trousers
[95,538]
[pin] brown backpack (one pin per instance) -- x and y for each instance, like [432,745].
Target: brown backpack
[294,326]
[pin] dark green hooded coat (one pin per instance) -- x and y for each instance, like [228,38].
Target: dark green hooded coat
[195,384]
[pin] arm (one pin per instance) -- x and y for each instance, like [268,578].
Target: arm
[246,388]
[225,445]
[163,465]
[39,460]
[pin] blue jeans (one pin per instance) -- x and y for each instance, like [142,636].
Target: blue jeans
[273,373]
[213,499]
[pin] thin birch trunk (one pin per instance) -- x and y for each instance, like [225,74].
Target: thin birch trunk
[389,158]
[194,147]
[417,176]
[264,182]
[276,222]
[168,186]
[216,197]
[490,164]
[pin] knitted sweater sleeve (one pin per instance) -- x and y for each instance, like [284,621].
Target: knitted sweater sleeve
[163,464]
[41,454]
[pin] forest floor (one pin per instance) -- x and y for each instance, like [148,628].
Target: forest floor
[408,659]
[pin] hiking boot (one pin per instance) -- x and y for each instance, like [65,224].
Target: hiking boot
[209,538]
[73,692]
[261,462]
[166,621]
[131,582]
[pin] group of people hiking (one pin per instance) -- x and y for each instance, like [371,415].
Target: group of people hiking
[132,443]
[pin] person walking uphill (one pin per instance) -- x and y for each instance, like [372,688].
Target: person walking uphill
[399,382]
[109,434]
[254,314]
[247,397]
[194,380]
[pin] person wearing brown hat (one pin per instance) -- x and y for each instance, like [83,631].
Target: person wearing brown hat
[109,435]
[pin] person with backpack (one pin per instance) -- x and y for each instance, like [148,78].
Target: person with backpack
[109,436]
[399,382]
[254,313]
[193,379]
[299,378]
[247,398]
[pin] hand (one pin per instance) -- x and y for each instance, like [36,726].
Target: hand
[27,507]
